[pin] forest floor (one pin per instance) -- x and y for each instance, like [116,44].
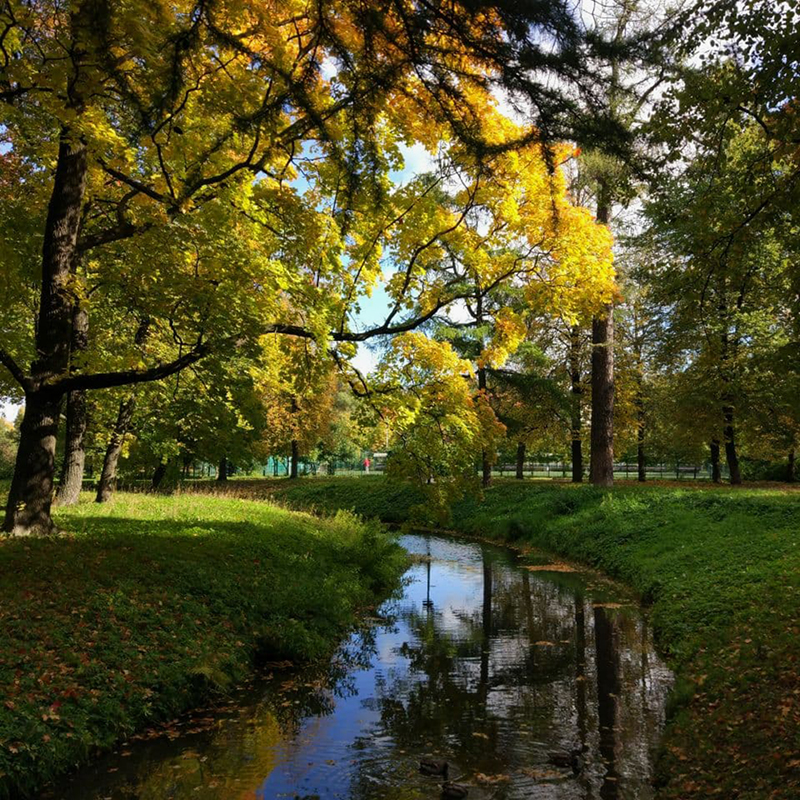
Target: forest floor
[151,605]
[720,570]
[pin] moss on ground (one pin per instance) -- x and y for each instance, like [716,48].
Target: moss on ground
[151,604]
[721,570]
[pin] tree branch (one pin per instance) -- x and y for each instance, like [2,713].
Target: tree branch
[107,380]
[19,376]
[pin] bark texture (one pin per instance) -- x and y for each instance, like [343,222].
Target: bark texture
[641,462]
[601,470]
[71,481]
[602,446]
[31,493]
[716,472]
[108,476]
[731,454]
[486,464]
[576,390]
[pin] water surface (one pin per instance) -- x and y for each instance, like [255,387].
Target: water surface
[480,661]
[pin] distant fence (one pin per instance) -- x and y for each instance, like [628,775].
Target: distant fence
[562,470]
[553,470]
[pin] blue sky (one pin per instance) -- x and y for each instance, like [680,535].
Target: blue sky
[375,308]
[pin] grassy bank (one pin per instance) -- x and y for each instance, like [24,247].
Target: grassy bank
[721,570]
[151,604]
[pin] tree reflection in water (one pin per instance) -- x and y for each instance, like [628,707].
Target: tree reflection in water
[499,668]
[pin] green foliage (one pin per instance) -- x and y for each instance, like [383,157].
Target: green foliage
[8,449]
[152,603]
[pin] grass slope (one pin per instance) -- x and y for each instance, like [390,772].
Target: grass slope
[721,569]
[151,603]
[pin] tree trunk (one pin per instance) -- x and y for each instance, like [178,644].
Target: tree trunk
[640,428]
[601,469]
[108,476]
[486,464]
[731,455]
[576,421]
[71,480]
[158,474]
[30,497]
[716,472]
[790,467]
[31,493]
[222,472]
[295,458]
[520,460]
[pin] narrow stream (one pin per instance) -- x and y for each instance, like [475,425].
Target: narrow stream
[481,662]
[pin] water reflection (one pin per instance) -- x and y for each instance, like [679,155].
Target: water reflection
[485,664]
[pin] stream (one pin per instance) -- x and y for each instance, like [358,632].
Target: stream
[480,661]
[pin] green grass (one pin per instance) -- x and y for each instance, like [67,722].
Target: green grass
[721,571]
[151,604]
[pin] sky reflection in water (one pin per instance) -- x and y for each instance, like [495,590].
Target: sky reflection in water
[506,666]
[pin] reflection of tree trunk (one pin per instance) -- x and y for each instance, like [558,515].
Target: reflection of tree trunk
[716,472]
[222,472]
[108,476]
[730,446]
[580,670]
[576,422]
[607,692]
[520,460]
[486,626]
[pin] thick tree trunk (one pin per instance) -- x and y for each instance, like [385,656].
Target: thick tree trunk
[601,472]
[30,497]
[486,464]
[108,476]
[601,469]
[716,472]
[790,467]
[158,474]
[222,471]
[576,421]
[731,454]
[71,480]
[31,493]
[520,460]
[295,458]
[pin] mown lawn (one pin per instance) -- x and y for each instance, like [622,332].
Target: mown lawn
[150,604]
[721,570]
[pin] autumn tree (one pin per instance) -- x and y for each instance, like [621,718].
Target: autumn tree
[143,118]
